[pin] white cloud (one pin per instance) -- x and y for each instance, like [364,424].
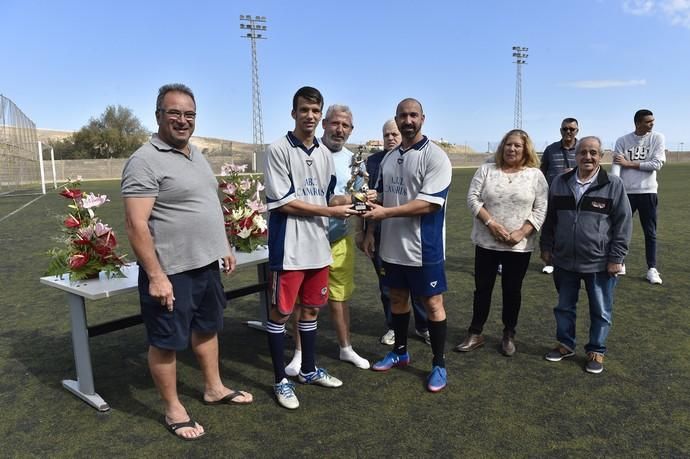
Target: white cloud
[638,7]
[677,12]
[600,84]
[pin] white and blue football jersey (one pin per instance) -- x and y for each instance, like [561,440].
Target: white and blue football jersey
[295,172]
[423,172]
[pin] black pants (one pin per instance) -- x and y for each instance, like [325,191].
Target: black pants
[514,268]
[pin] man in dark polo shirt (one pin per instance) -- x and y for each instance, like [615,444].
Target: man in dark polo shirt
[176,229]
[559,157]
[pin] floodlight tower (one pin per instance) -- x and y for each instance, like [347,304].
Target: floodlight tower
[520,55]
[253,25]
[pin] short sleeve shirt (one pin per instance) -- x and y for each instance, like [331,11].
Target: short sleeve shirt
[294,171]
[186,220]
[421,172]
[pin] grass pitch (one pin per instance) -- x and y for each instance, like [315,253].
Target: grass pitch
[493,406]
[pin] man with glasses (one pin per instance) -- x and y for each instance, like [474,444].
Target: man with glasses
[175,226]
[559,157]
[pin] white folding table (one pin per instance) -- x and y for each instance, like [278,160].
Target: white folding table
[95,289]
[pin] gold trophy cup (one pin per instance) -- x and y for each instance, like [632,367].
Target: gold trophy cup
[359,196]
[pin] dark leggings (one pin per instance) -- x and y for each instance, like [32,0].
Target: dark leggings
[514,268]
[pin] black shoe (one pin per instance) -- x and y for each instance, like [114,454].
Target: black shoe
[559,353]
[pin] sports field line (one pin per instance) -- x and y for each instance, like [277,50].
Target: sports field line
[17,210]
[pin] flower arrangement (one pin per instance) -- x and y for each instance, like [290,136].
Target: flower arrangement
[88,244]
[242,206]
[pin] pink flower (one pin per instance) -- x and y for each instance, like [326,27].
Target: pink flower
[229,189]
[245,184]
[91,200]
[256,206]
[101,229]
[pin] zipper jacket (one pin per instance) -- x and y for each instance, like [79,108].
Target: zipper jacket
[585,235]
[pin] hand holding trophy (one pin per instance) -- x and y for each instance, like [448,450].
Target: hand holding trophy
[358,174]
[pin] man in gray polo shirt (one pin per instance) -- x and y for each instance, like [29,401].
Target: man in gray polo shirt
[176,229]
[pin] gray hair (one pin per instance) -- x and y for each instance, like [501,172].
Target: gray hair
[388,123]
[340,109]
[578,147]
[174,87]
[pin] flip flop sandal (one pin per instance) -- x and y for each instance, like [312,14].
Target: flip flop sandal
[174,426]
[228,399]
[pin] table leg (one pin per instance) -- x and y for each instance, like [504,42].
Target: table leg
[263,275]
[83,387]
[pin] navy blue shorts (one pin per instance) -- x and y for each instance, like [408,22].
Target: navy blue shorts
[427,280]
[199,303]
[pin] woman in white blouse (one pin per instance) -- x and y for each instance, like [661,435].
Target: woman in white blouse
[508,199]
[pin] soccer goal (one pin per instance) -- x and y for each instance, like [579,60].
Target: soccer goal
[21,154]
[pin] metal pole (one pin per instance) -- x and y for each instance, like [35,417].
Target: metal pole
[40,164]
[52,162]
[520,55]
[253,25]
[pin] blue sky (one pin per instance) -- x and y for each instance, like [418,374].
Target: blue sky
[597,60]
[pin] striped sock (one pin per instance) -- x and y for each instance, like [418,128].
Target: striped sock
[276,344]
[307,333]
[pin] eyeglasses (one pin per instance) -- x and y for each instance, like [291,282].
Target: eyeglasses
[189,116]
[569,129]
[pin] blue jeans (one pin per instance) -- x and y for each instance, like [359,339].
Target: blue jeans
[599,287]
[420,318]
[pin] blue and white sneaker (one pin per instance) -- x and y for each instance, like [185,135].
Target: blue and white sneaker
[285,394]
[437,379]
[321,378]
[392,360]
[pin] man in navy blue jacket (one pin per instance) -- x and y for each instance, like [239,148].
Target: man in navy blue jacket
[586,237]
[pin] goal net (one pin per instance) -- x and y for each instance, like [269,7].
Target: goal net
[20,158]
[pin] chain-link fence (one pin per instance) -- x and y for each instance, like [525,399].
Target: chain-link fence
[19,164]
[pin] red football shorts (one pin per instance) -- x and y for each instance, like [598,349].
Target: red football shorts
[309,285]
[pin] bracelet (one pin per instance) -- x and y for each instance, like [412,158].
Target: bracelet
[488,222]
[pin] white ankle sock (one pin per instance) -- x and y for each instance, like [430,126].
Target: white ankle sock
[292,369]
[348,354]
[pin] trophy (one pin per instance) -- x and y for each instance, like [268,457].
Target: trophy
[357,171]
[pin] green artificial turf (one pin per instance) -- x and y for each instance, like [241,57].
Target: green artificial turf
[493,406]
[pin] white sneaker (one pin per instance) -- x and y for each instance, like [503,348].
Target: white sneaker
[653,276]
[548,269]
[321,378]
[424,335]
[349,355]
[285,394]
[389,338]
[292,369]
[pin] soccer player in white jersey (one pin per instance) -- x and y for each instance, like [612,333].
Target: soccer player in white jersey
[414,180]
[337,127]
[300,179]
